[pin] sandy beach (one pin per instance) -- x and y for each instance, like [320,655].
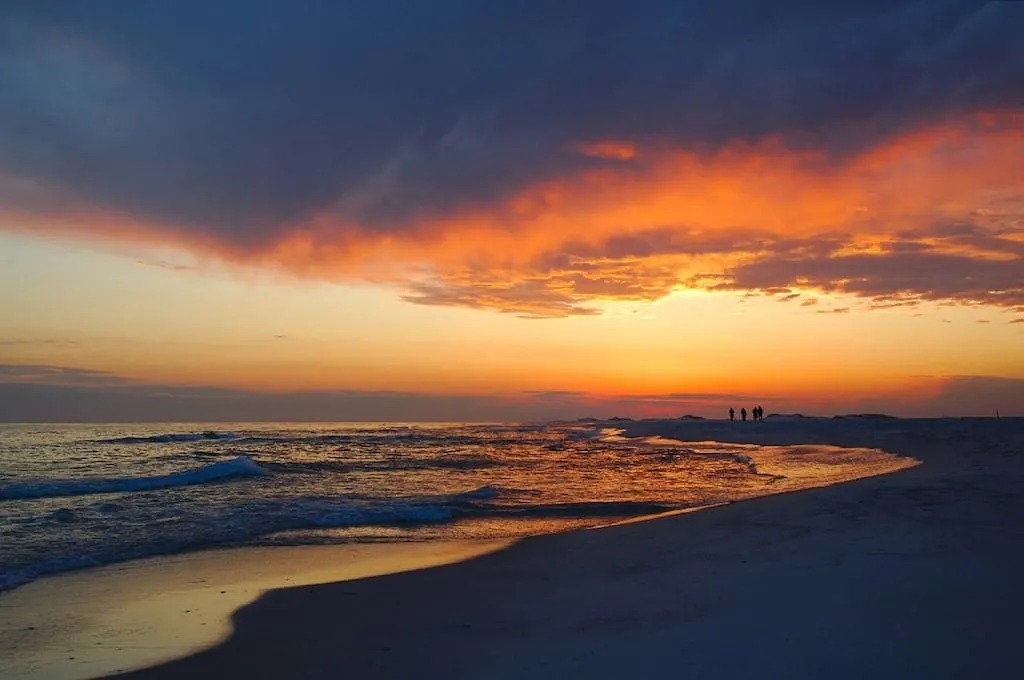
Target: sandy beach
[95,622]
[909,575]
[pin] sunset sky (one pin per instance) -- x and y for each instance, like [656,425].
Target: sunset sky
[464,210]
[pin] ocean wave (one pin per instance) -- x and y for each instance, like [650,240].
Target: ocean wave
[475,504]
[567,510]
[252,520]
[483,492]
[359,437]
[449,437]
[240,466]
[388,465]
[311,517]
[173,437]
[257,518]
[352,516]
[411,510]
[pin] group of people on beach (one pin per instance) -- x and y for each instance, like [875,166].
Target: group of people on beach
[757,412]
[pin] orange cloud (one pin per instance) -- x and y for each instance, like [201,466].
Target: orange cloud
[612,150]
[671,218]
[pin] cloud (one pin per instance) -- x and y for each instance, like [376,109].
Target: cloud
[160,264]
[670,398]
[66,394]
[37,342]
[30,393]
[58,375]
[530,157]
[963,264]
[527,299]
[972,396]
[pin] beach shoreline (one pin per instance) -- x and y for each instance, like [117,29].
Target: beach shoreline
[94,622]
[909,574]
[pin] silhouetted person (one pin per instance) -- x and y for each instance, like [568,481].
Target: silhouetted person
[743,413]
[732,414]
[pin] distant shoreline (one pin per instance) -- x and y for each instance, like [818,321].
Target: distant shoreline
[581,420]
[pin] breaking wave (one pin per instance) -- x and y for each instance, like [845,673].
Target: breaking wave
[240,466]
[172,438]
[258,518]
[388,465]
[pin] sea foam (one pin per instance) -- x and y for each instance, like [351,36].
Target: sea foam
[240,466]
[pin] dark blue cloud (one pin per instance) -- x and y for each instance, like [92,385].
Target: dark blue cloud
[236,118]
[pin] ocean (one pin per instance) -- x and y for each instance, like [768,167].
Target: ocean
[74,496]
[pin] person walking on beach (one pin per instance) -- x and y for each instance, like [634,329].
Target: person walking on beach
[732,414]
[743,413]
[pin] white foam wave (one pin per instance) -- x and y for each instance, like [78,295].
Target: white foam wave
[240,466]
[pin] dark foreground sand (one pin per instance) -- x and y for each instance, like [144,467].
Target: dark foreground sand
[917,574]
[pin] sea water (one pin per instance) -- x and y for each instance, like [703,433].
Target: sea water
[74,496]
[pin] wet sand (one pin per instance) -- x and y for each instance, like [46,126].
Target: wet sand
[919,573]
[87,624]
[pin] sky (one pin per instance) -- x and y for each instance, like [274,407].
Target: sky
[512,210]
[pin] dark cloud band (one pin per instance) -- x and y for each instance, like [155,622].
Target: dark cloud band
[239,118]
